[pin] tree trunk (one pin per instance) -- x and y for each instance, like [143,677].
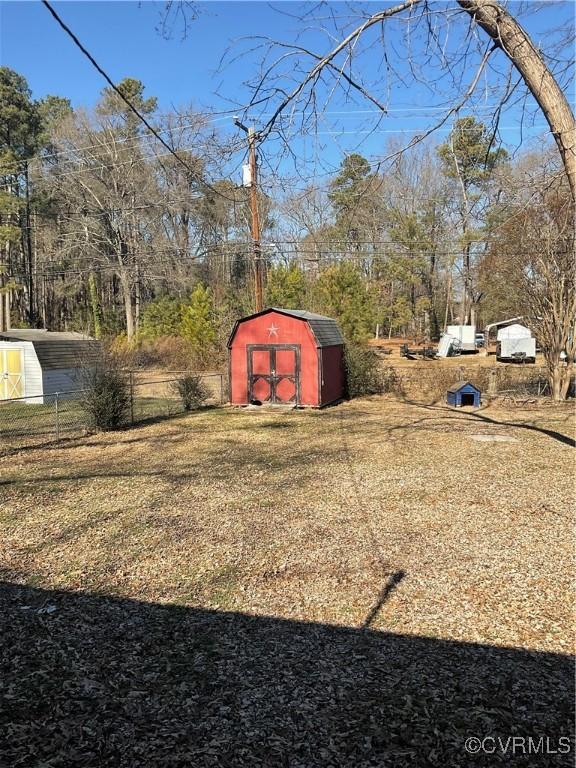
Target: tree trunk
[8,309]
[3,323]
[448,299]
[29,251]
[467,294]
[433,325]
[128,308]
[137,298]
[565,386]
[556,382]
[516,44]
[559,377]
[94,306]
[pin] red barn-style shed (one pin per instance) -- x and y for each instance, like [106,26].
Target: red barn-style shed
[283,356]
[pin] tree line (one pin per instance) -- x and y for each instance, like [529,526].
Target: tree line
[103,231]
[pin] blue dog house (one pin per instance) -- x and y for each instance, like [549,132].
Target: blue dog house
[463,393]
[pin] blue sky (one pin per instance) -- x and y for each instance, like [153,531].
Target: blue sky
[123,39]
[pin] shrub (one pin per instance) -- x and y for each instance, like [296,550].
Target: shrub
[363,373]
[106,397]
[120,352]
[161,317]
[192,391]
[392,381]
[168,352]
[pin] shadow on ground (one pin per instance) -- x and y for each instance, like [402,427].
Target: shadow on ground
[480,416]
[88,680]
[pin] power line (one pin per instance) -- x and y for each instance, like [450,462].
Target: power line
[220,116]
[225,115]
[96,167]
[117,90]
[135,161]
[137,139]
[238,252]
[127,140]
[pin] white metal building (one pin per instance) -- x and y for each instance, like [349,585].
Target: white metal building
[36,363]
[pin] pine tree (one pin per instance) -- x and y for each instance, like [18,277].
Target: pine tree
[344,295]
[355,204]
[198,325]
[468,158]
[468,155]
[113,106]
[19,140]
[286,287]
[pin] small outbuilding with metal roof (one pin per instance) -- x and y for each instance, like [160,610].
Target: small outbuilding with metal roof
[37,363]
[286,356]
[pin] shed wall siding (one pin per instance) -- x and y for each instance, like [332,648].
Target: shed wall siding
[32,370]
[287,330]
[332,383]
[67,354]
[61,380]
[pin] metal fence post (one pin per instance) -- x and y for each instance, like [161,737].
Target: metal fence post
[221,389]
[57,415]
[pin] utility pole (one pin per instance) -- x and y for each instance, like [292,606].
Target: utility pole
[255,217]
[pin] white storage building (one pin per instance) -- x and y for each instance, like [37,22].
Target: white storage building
[36,363]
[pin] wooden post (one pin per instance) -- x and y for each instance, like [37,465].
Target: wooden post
[493,383]
[255,226]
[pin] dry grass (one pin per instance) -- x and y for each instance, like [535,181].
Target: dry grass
[375,514]
[427,381]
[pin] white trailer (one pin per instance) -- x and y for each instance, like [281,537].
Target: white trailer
[465,334]
[516,349]
[457,339]
[515,342]
[514,331]
[446,346]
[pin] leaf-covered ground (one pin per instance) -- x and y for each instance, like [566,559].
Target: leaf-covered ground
[363,586]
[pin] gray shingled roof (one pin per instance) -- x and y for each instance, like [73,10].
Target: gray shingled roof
[325,329]
[459,384]
[56,349]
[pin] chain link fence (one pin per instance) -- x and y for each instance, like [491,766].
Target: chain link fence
[34,421]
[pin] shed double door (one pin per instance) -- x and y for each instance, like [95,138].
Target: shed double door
[11,374]
[274,373]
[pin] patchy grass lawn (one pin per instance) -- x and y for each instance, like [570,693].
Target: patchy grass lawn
[397,551]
